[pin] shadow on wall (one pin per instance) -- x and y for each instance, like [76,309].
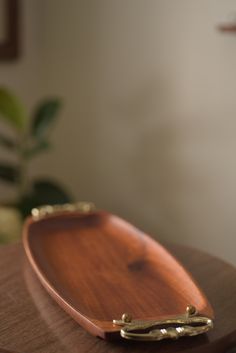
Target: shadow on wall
[145,172]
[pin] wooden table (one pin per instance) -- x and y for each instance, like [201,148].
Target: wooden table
[30,321]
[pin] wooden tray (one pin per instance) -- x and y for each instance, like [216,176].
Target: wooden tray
[98,267]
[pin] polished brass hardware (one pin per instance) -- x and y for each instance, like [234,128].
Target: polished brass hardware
[188,324]
[126,318]
[46,210]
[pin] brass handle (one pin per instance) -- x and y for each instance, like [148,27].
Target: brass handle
[47,210]
[188,324]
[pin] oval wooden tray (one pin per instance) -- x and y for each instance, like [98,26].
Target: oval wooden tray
[97,267]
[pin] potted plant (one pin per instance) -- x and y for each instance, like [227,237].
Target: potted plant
[29,136]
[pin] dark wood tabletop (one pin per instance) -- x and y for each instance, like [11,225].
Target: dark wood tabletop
[31,322]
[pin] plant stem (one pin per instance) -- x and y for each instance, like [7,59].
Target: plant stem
[23,169]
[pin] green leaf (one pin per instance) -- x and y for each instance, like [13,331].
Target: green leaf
[9,173]
[11,109]
[41,146]
[7,142]
[44,192]
[44,116]
[50,192]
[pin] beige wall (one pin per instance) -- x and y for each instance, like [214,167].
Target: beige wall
[149,120]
